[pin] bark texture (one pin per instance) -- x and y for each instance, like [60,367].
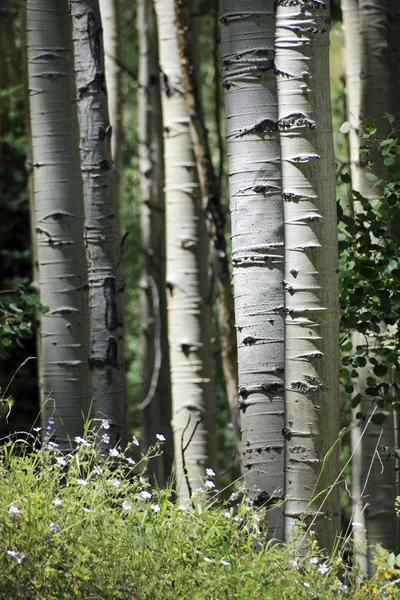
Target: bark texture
[311,266]
[156,386]
[106,356]
[210,190]
[64,369]
[187,279]
[249,82]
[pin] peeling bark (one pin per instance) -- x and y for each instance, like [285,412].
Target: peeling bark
[106,357]
[247,44]
[63,370]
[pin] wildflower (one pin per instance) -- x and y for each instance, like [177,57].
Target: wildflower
[365,588]
[210,473]
[206,559]
[17,555]
[209,484]
[81,441]
[105,438]
[145,494]
[227,514]
[135,441]
[248,501]
[105,424]
[142,480]
[126,505]
[375,590]
[52,445]
[387,575]
[115,482]
[225,563]
[314,560]
[342,586]
[294,563]
[130,461]
[155,508]
[14,510]
[307,585]
[51,421]
[114,452]
[97,470]
[54,527]
[160,437]
[57,501]
[234,496]
[61,461]
[323,569]
[86,509]
[82,481]
[238,519]
[37,429]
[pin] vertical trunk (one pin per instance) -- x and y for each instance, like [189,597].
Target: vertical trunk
[64,371]
[10,55]
[247,37]
[106,357]
[352,64]
[187,251]
[393,28]
[109,18]
[311,263]
[156,390]
[210,191]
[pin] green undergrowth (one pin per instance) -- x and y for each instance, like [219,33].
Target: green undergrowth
[89,525]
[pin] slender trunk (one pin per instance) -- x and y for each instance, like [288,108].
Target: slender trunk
[106,357]
[247,37]
[10,54]
[64,369]
[109,18]
[156,386]
[393,27]
[311,264]
[210,190]
[187,278]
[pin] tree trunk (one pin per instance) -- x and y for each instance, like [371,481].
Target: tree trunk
[311,264]
[106,357]
[393,25]
[210,191]
[193,418]
[109,19]
[247,37]
[156,384]
[64,370]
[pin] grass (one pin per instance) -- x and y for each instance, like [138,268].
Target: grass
[89,525]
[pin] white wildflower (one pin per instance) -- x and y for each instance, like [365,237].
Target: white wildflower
[54,527]
[210,473]
[135,441]
[238,519]
[206,559]
[234,496]
[126,505]
[37,429]
[131,461]
[115,482]
[105,424]
[155,508]
[294,563]
[209,484]
[225,563]
[17,555]
[52,445]
[307,585]
[160,437]
[57,501]
[82,481]
[323,569]
[14,510]
[97,470]
[86,509]
[314,560]
[105,438]
[145,494]
[227,514]
[81,441]
[61,461]
[114,452]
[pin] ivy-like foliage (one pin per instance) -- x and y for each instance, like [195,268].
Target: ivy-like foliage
[369,242]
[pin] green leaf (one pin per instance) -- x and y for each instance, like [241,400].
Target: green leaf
[15,308]
[371,177]
[380,370]
[345,127]
[378,419]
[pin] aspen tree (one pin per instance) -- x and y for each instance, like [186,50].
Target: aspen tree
[106,357]
[156,386]
[63,369]
[311,265]
[249,82]
[187,278]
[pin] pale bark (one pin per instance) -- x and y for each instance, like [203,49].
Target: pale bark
[109,18]
[64,370]
[247,43]
[156,384]
[187,278]
[311,264]
[210,189]
[106,356]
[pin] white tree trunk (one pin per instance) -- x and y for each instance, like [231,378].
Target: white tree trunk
[156,386]
[109,18]
[64,369]
[106,357]
[187,252]
[311,265]
[247,35]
